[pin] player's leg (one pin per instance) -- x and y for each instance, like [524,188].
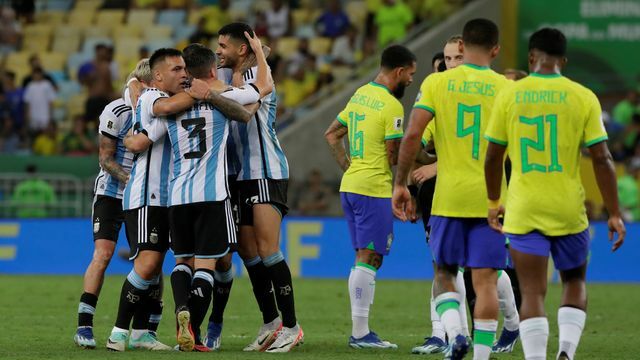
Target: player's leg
[223,281]
[570,257]
[461,288]
[487,252]
[183,247]
[511,324]
[156,305]
[530,257]
[371,227]
[448,249]
[107,219]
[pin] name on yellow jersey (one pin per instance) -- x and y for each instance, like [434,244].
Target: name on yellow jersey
[471,87]
[364,100]
[541,96]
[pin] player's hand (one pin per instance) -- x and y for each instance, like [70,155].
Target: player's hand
[199,89]
[401,203]
[493,218]
[254,42]
[616,225]
[135,90]
[423,173]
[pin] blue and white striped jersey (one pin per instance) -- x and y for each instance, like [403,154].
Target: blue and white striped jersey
[256,144]
[149,181]
[115,122]
[199,142]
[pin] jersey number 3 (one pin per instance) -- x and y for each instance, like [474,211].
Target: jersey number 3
[199,132]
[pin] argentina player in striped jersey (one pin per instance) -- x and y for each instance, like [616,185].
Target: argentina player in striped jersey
[186,169]
[107,217]
[262,187]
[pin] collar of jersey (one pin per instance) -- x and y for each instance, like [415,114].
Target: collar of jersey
[373,83]
[546,76]
[477,67]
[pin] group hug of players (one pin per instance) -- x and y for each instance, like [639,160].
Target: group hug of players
[190,160]
[475,125]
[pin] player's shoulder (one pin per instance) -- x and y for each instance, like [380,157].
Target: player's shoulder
[583,91]
[434,78]
[250,74]
[116,108]
[153,93]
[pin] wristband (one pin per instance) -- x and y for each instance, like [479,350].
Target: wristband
[130,80]
[493,204]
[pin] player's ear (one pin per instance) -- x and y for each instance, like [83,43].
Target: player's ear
[495,51]
[243,49]
[531,59]
[460,47]
[157,76]
[563,62]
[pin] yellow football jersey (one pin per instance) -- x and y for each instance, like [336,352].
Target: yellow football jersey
[461,101]
[372,116]
[428,133]
[544,120]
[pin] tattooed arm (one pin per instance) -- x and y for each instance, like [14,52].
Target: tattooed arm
[229,108]
[107,160]
[334,135]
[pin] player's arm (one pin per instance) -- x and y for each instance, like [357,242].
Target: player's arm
[606,178]
[172,105]
[493,167]
[107,161]
[264,81]
[137,143]
[334,137]
[392,147]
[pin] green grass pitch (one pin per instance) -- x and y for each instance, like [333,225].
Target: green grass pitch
[38,316]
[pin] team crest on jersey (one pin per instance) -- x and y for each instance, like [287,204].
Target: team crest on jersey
[96,226]
[419,96]
[389,241]
[153,237]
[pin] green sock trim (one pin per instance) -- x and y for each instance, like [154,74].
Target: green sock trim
[447,305]
[461,269]
[370,246]
[483,337]
[500,273]
[366,266]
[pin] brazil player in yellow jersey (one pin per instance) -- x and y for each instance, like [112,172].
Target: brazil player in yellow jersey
[460,100]
[373,120]
[542,122]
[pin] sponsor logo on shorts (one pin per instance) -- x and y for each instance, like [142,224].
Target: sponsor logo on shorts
[96,225]
[252,200]
[153,237]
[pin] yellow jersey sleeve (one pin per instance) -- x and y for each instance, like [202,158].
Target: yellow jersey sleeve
[429,132]
[393,121]
[594,131]
[496,128]
[426,99]
[343,116]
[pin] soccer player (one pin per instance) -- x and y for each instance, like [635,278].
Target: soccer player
[262,187]
[461,101]
[115,165]
[542,122]
[373,122]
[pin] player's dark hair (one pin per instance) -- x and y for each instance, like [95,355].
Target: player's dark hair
[236,31]
[160,54]
[480,32]
[199,60]
[550,41]
[436,57]
[396,56]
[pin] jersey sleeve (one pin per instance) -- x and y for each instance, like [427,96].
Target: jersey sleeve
[426,96]
[154,127]
[243,95]
[496,129]
[109,123]
[343,116]
[126,96]
[594,131]
[393,119]
[429,133]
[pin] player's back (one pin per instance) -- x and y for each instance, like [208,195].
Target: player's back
[372,116]
[461,100]
[115,122]
[546,119]
[198,140]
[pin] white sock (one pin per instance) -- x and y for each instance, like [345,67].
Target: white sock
[137,333]
[447,306]
[507,302]
[362,283]
[570,322]
[437,330]
[484,334]
[274,324]
[463,302]
[534,333]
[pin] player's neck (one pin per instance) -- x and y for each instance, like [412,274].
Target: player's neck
[157,85]
[383,79]
[472,58]
[547,68]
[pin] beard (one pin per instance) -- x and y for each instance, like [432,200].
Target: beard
[399,91]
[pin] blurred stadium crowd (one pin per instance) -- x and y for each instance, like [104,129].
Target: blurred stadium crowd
[62,61]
